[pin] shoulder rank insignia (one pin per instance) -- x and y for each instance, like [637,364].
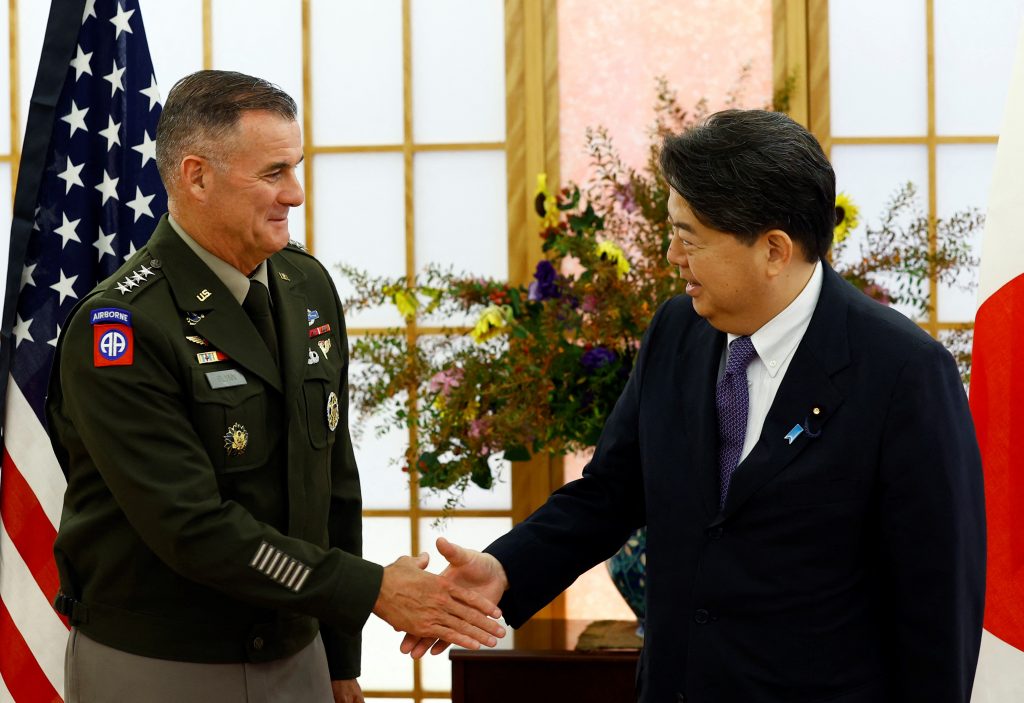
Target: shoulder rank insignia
[333,413]
[139,277]
[236,439]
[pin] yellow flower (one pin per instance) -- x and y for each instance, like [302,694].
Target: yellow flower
[493,320]
[407,303]
[846,214]
[611,252]
[545,203]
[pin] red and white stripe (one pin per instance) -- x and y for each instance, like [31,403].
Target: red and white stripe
[31,495]
[997,404]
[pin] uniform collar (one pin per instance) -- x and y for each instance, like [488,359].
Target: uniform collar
[234,280]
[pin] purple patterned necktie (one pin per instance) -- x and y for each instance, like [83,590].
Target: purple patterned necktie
[732,400]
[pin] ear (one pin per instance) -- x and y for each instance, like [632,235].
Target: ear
[195,176]
[779,250]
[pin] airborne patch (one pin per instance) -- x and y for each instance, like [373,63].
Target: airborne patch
[113,342]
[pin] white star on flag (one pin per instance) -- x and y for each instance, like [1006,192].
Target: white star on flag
[131,250]
[140,204]
[21,332]
[120,20]
[65,286]
[112,133]
[81,63]
[116,79]
[147,148]
[108,188]
[67,230]
[152,92]
[27,276]
[76,118]
[90,10]
[53,342]
[72,175]
[104,243]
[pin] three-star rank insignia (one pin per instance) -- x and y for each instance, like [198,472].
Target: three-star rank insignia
[236,439]
[333,411]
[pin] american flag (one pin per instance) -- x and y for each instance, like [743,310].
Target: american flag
[88,196]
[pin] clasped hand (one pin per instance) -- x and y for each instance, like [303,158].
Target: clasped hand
[438,609]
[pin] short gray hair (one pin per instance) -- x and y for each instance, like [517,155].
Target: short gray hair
[202,110]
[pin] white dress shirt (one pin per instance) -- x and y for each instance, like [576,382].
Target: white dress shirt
[774,343]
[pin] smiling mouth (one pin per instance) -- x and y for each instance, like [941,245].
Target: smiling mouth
[692,287]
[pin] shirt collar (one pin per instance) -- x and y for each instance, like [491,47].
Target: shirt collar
[781,335]
[234,280]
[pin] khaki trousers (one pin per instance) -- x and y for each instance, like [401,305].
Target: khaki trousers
[96,673]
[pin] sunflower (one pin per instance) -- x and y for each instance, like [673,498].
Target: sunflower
[545,203]
[846,217]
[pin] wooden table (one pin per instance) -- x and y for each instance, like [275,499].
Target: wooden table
[543,666]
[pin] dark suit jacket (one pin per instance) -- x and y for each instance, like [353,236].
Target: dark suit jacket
[213,506]
[846,567]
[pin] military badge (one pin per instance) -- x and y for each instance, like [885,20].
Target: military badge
[314,358]
[193,318]
[333,412]
[236,439]
[113,342]
[211,357]
[317,331]
[325,345]
[195,339]
[312,316]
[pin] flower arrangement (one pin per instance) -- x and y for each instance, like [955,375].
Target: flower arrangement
[544,363]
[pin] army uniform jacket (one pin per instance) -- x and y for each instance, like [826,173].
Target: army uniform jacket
[213,510]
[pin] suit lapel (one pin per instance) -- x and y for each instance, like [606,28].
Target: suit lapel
[699,362]
[807,386]
[224,324]
[287,288]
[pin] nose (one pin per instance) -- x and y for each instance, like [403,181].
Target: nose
[292,194]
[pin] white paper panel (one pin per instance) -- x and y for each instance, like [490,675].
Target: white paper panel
[360,220]
[174,31]
[877,69]
[6,210]
[461,211]
[499,497]
[973,57]
[380,460]
[872,174]
[297,215]
[357,72]
[458,68]
[471,532]
[384,666]
[5,95]
[31,28]
[264,42]
[964,179]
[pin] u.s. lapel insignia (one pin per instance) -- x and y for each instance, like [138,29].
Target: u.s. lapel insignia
[325,345]
[333,412]
[193,318]
[312,316]
[196,339]
[236,439]
[202,295]
[314,358]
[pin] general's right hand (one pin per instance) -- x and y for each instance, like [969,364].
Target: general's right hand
[470,570]
[435,607]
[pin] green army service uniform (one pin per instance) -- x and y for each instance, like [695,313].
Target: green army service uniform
[213,509]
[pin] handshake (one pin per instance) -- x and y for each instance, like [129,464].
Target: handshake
[459,606]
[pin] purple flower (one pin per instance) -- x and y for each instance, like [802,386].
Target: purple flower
[595,358]
[445,380]
[543,286]
[625,197]
[589,303]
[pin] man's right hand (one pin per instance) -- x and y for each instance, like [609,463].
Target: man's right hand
[468,569]
[435,607]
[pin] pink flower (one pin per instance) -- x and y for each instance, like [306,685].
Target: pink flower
[445,380]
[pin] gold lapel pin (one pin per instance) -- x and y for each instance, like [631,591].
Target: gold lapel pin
[202,295]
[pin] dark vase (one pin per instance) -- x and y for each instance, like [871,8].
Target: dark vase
[627,568]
